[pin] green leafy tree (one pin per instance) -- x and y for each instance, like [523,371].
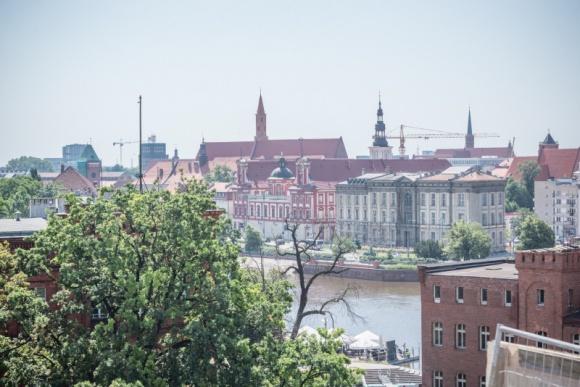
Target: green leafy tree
[518,220]
[467,241]
[517,196]
[428,249]
[342,244]
[254,241]
[16,193]
[219,173]
[528,172]
[169,302]
[34,174]
[535,234]
[26,163]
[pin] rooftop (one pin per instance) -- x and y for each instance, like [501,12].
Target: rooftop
[479,268]
[22,227]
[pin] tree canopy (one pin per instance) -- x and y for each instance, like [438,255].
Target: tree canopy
[151,292]
[535,234]
[428,249]
[26,163]
[517,196]
[254,241]
[219,173]
[528,171]
[467,241]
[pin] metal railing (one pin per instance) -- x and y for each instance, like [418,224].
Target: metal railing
[520,358]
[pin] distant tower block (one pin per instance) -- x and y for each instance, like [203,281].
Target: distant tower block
[380,148]
[261,133]
[469,138]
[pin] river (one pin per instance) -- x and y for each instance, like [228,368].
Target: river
[392,309]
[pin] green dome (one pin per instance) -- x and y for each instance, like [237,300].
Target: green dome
[282,172]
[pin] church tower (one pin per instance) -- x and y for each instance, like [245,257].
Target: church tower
[380,148]
[548,143]
[469,138]
[261,133]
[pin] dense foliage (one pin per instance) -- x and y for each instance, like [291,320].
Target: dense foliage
[535,234]
[467,241]
[254,241]
[219,173]
[170,304]
[26,163]
[428,249]
[517,196]
[528,172]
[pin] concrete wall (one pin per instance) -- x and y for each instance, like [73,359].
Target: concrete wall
[369,274]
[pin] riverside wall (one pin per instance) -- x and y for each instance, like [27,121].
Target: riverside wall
[367,273]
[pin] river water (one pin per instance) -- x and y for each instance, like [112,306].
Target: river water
[392,309]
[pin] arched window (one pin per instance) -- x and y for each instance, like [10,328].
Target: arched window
[273,211]
[281,212]
[265,211]
[252,211]
[257,211]
[408,200]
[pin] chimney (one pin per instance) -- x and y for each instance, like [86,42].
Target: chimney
[18,216]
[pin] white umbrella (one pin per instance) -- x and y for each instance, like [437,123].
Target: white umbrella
[367,335]
[309,331]
[364,343]
[345,337]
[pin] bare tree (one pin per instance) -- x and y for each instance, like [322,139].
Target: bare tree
[302,252]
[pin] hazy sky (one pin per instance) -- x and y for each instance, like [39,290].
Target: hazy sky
[72,72]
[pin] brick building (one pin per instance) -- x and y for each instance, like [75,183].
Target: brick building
[462,303]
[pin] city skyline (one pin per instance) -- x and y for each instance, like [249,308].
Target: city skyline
[73,73]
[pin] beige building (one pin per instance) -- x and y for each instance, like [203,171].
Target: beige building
[400,209]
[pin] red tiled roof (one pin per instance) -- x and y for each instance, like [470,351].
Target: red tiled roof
[560,163]
[477,153]
[170,176]
[337,170]
[73,180]
[271,149]
[512,170]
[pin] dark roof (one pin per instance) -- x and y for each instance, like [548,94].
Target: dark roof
[282,172]
[549,140]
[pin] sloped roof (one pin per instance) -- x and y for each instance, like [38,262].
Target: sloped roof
[549,140]
[73,180]
[89,153]
[476,153]
[512,170]
[22,227]
[169,175]
[228,149]
[333,170]
[560,162]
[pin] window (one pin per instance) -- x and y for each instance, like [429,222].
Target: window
[460,335]
[437,293]
[252,211]
[422,199]
[484,199]
[576,339]
[408,200]
[384,216]
[460,216]
[433,199]
[432,218]
[433,235]
[508,298]
[374,216]
[40,292]
[364,200]
[348,199]
[384,199]
[98,312]
[320,199]
[461,380]
[422,217]
[540,344]
[492,219]
[540,297]
[492,196]
[500,198]
[484,296]
[570,297]
[365,214]
[484,219]
[437,334]
[437,379]
[393,201]
[443,200]
[459,294]
[374,198]
[482,381]
[356,214]
[461,200]
[501,237]
[483,338]
[348,213]
[509,338]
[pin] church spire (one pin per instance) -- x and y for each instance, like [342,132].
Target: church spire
[469,138]
[380,135]
[261,133]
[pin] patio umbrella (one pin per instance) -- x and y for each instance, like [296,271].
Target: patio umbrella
[368,335]
[364,343]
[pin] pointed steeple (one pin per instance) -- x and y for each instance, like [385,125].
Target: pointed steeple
[469,130]
[469,138]
[261,133]
[549,140]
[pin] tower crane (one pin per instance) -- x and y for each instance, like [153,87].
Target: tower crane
[121,143]
[436,134]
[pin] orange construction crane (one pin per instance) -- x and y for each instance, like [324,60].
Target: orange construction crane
[121,143]
[426,136]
